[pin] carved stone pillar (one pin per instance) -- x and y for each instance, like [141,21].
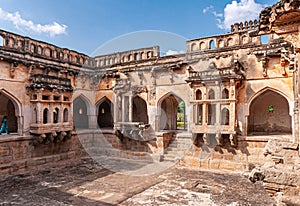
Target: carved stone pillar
[50,117]
[232,108]
[218,114]
[130,108]
[39,111]
[116,110]
[204,114]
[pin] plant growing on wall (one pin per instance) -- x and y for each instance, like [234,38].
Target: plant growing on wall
[271,108]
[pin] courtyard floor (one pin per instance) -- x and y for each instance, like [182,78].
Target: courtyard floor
[89,184]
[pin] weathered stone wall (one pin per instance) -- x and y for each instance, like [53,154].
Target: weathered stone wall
[21,155]
[248,154]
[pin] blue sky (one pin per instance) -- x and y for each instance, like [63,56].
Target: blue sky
[85,25]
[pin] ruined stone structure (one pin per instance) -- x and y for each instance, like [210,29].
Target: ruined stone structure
[230,94]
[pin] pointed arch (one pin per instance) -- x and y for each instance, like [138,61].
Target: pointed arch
[16,102]
[46,116]
[56,115]
[244,39]
[225,94]
[266,89]
[212,44]
[99,102]
[220,43]
[269,112]
[140,111]
[198,94]
[13,110]
[105,108]
[86,100]
[202,46]
[66,115]
[225,116]
[230,42]
[194,47]
[81,111]
[169,112]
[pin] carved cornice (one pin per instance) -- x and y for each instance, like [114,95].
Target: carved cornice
[284,13]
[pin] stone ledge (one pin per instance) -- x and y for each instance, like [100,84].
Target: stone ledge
[265,138]
[15,138]
[93,131]
[184,135]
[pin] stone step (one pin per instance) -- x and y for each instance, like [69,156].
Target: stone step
[182,148]
[177,148]
[174,152]
[181,143]
[173,156]
[114,153]
[169,160]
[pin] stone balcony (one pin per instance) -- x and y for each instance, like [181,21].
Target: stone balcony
[51,127]
[50,82]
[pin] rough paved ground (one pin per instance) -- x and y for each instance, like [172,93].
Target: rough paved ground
[88,184]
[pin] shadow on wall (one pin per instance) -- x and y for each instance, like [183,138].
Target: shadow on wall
[7,109]
[269,114]
[80,113]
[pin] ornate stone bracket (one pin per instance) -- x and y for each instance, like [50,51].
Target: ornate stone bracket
[53,137]
[83,80]
[152,92]
[140,75]
[264,64]
[12,69]
[153,77]
[139,90]
[171,75]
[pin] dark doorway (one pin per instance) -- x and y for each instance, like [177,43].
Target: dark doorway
[225,116]
[11,118]
[7,109]
[140,113]
[105,115]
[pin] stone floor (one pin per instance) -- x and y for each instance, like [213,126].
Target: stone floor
[89,184]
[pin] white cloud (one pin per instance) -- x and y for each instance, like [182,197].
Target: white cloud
[207,9]
[173,52]
[211,9]
[20,23]
[244,10]
[234,12]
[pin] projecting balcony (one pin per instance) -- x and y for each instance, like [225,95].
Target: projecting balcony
[50,127]
[50,82]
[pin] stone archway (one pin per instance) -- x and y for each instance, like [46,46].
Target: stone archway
[171,108]
[105,114]
[80,113]
[269,114]
[139,110]
[7,108]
